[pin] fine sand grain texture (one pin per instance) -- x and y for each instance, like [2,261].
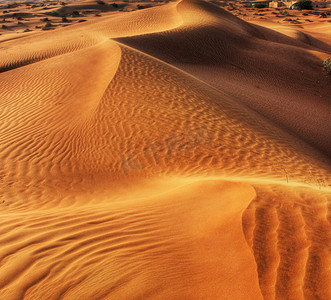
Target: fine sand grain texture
[170,152]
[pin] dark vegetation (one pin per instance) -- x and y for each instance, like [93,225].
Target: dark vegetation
[260,5]
[327,65]
[304,4]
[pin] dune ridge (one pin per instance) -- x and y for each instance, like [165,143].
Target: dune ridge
[255,65]
[135,168]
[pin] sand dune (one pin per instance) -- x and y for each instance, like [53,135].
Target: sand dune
[261,68]
[150,248]
[175,152]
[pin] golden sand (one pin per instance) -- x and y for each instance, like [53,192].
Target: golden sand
[174,152]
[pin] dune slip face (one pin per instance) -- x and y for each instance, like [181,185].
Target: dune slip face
[170,152]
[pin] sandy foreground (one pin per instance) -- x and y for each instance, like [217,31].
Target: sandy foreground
[172,151]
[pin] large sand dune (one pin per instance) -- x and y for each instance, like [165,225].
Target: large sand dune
[176,152]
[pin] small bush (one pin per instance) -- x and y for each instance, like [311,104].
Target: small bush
[75,13]
[327,65]
[143,6]
[284,12]
[101,2]
[304,4]
[53,13]
[260,5]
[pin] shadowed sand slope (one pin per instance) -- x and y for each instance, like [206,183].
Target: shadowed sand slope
[131,169]
[276,75]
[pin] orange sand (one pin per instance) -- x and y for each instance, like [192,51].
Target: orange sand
[174,152]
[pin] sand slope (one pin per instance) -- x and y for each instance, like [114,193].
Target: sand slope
[150,248]
[138,160]
[269,72]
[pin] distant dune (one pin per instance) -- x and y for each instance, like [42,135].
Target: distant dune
[174,152]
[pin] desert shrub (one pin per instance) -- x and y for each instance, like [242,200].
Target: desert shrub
[115,5]
[75,13]
[327,65]
[304,4]
[101,2]
[12,5]
[53,13]
[260,5]
[143,6]
[48,25]
[284,12]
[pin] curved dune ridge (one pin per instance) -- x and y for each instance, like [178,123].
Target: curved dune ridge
[276,75]
[174,152]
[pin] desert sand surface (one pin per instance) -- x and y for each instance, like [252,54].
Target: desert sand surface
[177,150]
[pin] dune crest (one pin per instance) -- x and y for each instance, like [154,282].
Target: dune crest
[261,68]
